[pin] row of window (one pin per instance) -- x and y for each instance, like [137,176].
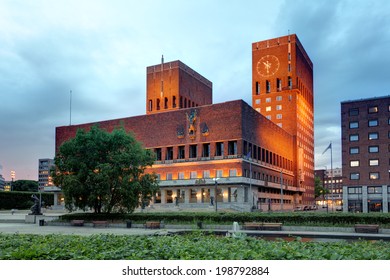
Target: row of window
[249,149]
[370,190]
[372,176]
[183,103]
[372,109]
[268,89]
[371,162]
[371,149]
[371,123]
[371,136]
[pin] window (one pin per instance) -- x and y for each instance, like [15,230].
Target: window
[388,121]
[372,109]
[376,189]
[353,112]
[354,150]
[278,107]
[280,98]
[279,84]
[354,176]
[169,176]
[289,82]
[257,88]
[373,149]
[165,103]
[150,105]
[373,123]
[257,101]
[355,190]
[193,151]
[158,104]
[219,149]
[206,174]
[181,176]
[373,162]
[169,154]
[174,102]
[279,116]
[232,172]
[181,152]
[268,109]
[193,174]
[373,136]
[268,86]
[232,148]
[354,125]
[219,174]
[268,100]
[206,150]
[354,137]
[354,163]
[157,151]
[374,175]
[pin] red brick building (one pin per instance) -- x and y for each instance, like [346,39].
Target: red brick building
[209,156]
[282,91]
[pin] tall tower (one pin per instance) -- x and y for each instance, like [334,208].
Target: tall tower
[282,91]
[174,85]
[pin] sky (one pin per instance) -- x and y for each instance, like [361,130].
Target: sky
[99,50]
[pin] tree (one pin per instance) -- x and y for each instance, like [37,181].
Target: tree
[104,171]
[319,188]
[25,186]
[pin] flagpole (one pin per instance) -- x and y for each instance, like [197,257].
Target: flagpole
[331,173]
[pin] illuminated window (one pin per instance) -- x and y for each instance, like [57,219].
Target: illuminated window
[354,163]
[373,123]
[377,189]
[354,125]
[278,107]
[268,109]
[373,109]
[374,175]
[373,162]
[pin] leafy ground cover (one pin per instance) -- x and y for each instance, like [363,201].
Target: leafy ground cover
[181,247]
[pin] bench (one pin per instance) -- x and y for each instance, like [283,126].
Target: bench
[262,226]
[366,228]
[77,223]
[100,223]
[152,225]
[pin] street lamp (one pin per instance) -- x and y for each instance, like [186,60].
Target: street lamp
[216,193]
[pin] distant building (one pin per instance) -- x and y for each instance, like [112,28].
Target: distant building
[45,182]
[365,127]
[333,182]
[2,183]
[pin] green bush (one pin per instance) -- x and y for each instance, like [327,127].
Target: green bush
[291,218]
[22,200]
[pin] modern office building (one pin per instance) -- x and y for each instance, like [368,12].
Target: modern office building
[45,182]
[225,155]
[365,154]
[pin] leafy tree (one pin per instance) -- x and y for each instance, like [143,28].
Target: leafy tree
[319,188]
[104,171]
[25,186]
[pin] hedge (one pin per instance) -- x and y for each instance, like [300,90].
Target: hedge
[22,200]
[291,218]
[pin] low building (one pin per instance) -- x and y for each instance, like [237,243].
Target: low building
[332,181]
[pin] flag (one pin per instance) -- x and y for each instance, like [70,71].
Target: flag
[329,147]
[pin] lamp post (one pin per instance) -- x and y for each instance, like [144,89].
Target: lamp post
[216,193]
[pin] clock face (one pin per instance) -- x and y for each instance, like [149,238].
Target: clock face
[267,65]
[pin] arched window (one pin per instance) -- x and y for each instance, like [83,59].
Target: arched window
[150,105]
[166,103]
[158,104]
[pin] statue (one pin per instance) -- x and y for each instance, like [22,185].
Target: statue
[36,208]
